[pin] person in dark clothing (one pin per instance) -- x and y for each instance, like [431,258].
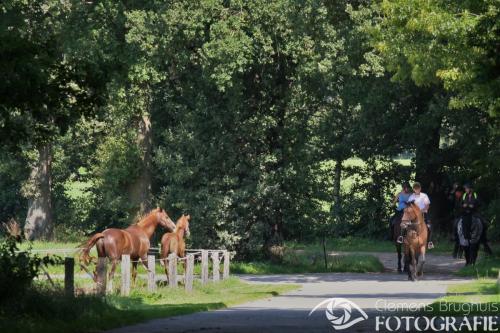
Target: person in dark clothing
[470,204]
[455,199]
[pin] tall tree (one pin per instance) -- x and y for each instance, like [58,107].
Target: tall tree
[42,90]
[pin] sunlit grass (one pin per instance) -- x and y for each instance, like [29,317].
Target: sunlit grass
[480,296]
[51,311]
[300,264]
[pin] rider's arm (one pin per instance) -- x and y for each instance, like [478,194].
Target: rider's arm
[427,204]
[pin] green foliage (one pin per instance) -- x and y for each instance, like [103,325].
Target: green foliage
[448,43]
[251,104]
[19,268]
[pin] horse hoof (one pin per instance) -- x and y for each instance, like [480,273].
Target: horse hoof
[400,271]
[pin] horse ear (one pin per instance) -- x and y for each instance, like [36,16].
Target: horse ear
[159,209]
[188,217]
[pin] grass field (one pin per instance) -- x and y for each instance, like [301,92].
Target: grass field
[481,296]
[353,263]
[51,311]
[486,267]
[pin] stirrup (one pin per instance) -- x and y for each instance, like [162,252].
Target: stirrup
[430,245]
[400,240]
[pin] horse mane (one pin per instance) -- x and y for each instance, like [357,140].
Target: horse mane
[181,222]
[142,216]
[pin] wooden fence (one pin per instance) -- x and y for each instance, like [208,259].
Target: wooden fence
[214,274]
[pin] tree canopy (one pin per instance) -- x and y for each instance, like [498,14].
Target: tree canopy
[266,121]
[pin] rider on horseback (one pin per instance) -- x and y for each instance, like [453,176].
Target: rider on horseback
[422,201]
[401,199]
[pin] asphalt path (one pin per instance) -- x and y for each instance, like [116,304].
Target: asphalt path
[375,293]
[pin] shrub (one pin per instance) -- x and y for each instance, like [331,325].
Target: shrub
[18,268]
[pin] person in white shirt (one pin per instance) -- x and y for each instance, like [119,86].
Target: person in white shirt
[422,201]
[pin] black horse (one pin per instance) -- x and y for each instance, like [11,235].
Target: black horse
[470,232]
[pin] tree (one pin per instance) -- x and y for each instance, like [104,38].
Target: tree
[454,44]
[43,93]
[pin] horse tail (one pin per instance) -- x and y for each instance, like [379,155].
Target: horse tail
[87,246]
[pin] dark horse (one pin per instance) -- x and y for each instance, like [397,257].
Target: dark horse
[470,232]
[415,242]
[396,232]
[134,240]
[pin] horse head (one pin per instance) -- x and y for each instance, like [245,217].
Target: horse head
[164,220]
[411,212]
[183,223]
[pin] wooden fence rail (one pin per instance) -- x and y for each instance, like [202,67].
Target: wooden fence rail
[104,286]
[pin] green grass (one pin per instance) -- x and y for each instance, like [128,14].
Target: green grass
[480,296]
[45,245]
[486,267]
[354,263]
[50,311]
[360,244]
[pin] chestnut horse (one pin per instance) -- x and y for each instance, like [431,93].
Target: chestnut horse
[173,242]
[415,242]
[134,240]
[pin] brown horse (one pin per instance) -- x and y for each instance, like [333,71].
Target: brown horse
[134,240]
[173,242]
[415,242]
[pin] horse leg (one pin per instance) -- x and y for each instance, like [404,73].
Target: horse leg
[474,250]
[144,262]
[421,262]
[111,273]
[134,271]
[407,264]
[413,267]
[466,250]
[398,248]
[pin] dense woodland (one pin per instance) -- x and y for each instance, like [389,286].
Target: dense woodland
[245,114]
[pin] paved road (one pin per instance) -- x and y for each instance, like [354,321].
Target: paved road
[435,263]
[289,313]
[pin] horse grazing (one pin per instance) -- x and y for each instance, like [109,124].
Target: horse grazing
[134,240]
[415,243]
[173,242]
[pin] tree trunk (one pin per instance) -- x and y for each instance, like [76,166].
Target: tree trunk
[337,178]
[39,221]
[140,190]
[429,172]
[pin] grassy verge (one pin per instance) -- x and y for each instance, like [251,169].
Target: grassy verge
[50,311]
[360,244]
[486,267]
[480,296]
[354,263]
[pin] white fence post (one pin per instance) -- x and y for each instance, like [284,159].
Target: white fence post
[172,270]
[204,266]
[216,266]
[151,274]
[227,257]
[188,274]
[125,265]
